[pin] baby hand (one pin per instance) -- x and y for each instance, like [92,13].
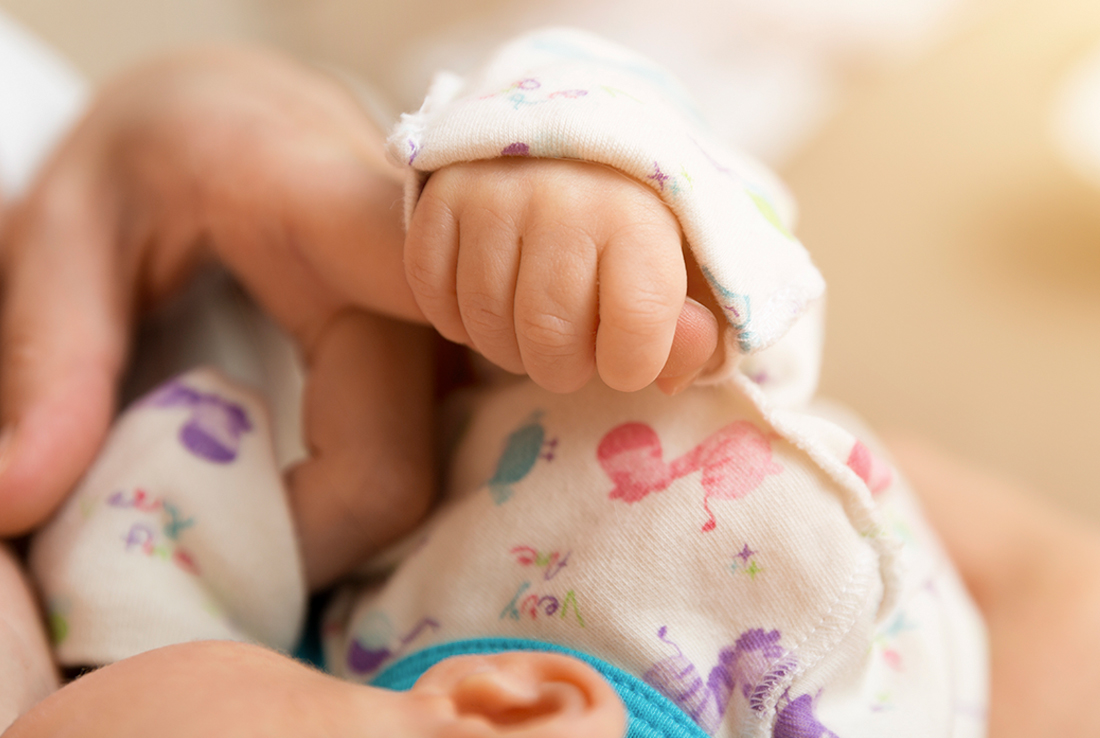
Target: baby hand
[556,268]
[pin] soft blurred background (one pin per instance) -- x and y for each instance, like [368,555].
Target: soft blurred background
[945,153]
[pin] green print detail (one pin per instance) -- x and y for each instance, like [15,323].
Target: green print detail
[883,702]
[570,597]
[878,531]
[522,450]
[59,628]
[88,506]
[213,608]
[510,609]
[753,569]
[615,92]
[902,530]
[687,177]
[176,524]
[744,562]
[769,213]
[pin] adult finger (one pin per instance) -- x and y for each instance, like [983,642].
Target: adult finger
[62,346]
[368,425]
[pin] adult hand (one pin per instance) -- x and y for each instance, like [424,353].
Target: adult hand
[273,169]
[1035,574]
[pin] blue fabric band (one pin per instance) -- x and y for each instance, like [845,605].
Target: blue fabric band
[651,714]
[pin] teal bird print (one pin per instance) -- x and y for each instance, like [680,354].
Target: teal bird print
[522,451]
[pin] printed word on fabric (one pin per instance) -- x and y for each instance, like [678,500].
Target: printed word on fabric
[552,563]
[152,539]
[535,605]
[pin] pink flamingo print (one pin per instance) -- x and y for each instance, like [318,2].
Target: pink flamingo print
[734,461]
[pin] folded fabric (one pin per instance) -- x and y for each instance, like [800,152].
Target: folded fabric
[179,532]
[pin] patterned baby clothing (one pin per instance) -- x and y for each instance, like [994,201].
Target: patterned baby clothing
[180,530]
[738,547]
[739,550]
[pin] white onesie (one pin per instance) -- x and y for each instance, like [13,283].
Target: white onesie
[734,552]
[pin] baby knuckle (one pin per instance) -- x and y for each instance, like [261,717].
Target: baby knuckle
[547,335]
[424,277]
[644,314]
[484,316]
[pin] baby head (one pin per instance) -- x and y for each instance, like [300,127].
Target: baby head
[226,688]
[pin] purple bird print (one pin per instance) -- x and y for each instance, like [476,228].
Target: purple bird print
[741,667]
[796,719]
[214,429]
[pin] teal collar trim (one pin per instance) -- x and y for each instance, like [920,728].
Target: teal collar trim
[651,714]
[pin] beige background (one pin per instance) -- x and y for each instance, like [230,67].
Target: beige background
[963,255]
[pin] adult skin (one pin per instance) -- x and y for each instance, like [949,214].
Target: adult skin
[274,170]
[1034,571]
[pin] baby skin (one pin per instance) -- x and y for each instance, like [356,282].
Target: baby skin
[560,269]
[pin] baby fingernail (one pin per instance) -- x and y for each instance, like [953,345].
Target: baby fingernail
[675,385]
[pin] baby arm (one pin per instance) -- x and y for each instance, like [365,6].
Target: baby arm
[556,269]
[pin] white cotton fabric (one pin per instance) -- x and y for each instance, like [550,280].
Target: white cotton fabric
[785,545]
[179,532]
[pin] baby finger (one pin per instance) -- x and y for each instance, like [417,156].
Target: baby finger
[556,308]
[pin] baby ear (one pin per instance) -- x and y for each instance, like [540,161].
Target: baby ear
[525,695]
